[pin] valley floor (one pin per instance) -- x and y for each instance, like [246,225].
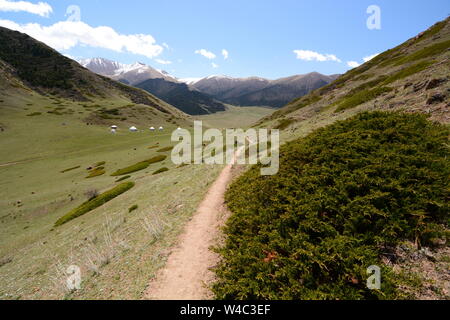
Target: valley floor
[43,165]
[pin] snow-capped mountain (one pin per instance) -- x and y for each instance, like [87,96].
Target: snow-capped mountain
[214,89]
[157,82]
[127,73]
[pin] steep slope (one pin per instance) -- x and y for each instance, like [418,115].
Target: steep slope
[259,91]
[182,97]
[413,77]
[357,188]
[41,69]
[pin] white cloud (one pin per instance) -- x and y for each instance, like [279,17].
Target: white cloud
[207,54]
[65,35]
[308,55]
[353,64]
[160,61]
[225,54]
[42,8]
[215,66]
[370,57]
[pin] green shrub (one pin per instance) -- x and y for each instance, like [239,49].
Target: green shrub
[34,114]
[70,169]
[156,159]
[165,149]
[160,171]
[99,164]
[344,195]
[361,97]
[96,172]
[132,208]
[139,166]
[95,203]
[123,178]
[136,167]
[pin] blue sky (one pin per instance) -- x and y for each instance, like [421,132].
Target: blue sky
[260,36]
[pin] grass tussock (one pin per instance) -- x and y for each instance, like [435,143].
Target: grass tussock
[133,208]
[166,149]
[344,195]
[70,169]
[95,203]
[160,171]
[123,178]
[156,159]
[96,172]
[139,166]
[34,114]
[136,167]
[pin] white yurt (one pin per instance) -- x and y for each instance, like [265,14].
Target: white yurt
[179,128]
[152,129]
[114,131]
[161,128]
[114,127]
[133,129]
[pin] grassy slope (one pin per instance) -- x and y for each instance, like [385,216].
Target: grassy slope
[396,68]
[235,117]
[46,148]
[115,252]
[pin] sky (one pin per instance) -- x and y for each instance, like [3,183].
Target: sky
[238,38]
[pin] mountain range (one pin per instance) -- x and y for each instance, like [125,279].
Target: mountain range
[208,95]
[259,91]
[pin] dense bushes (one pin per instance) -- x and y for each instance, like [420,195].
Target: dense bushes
[342,197]
[95,203]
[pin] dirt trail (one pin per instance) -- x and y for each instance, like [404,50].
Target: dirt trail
[187,272]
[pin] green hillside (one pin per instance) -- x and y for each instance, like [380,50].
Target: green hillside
[57,157]
[412,77]
[363,181]
[344,197]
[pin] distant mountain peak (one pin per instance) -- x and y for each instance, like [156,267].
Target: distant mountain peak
[130,73]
